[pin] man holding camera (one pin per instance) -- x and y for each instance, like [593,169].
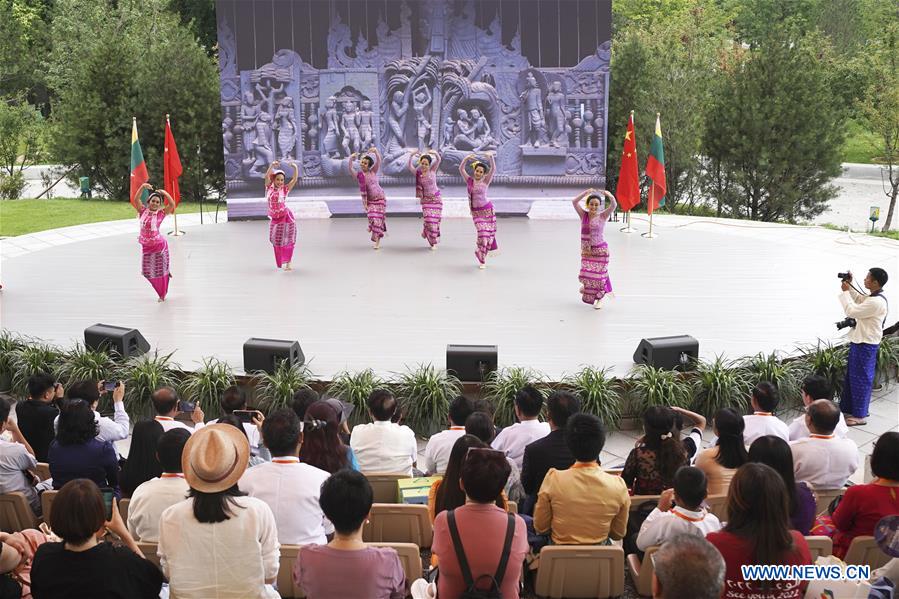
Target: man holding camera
[868,314]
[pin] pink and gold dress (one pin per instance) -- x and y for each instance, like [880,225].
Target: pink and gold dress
[155,249]
[428,194]
[282,231]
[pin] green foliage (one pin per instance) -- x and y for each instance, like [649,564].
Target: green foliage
[599,392]
[20,132]
[275,389]
[649,386]
[887,360]
[502,385]
[199,16]
[112,61]
[85,364]
[207,384]
[785,374]
[142,376]
[718,384]
[11,186]
[425,394]
[10,344]
[827,360]
[354,388]
[30,359]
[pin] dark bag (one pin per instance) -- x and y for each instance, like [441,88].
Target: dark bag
[472,591]
[635,520]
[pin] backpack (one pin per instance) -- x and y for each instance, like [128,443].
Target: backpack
[472,591]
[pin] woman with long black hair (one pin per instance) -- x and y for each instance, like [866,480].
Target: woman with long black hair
[651,465]
[720,462]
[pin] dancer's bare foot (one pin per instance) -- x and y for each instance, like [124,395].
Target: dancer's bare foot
[377,245]
[160,300]
[597,305]
[287,266]
[482,266]
[433,248]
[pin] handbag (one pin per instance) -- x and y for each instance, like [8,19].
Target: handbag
[472,591]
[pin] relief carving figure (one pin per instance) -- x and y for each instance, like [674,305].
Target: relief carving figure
[330,128]
[286,126]
[555,101]
[464,140]
[399,104]
[350,126]
[227,134]
[449,126]
[262,144]
[421,101]
[269,92]
[532,106]
[366,127]
[249,114]
[481,130]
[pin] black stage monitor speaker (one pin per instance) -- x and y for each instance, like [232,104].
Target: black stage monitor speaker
[679,351]
[471,363]
[265,354]
[122,340]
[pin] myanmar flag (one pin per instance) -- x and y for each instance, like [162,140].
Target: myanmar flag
[171,165]
[628,190]
[655,170]
[139,174]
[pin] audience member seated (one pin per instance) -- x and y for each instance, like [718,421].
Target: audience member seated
[302,399]
[16,458]
[758,532]
[384,446]
[322,446]
[582,505]
[480,424]
[437,451]
[109,429]
[218,542]
[36,415]
[84,566]
[77,453]
[650,466]
[481,527]
[775,452]
[762,421]
[346,568]
[142,463]
[551,451]
[446,493]
[719,463]
[289,487]
[513,439]
[166,404]
[232,420]
[687,566]
[862,506]
[822,459]
[15,552]
[679,511]
[684,418]
[235,398]
[156,495]
[815,387]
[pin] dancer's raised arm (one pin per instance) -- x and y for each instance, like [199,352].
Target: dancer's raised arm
[267,180]
[377,164]
[296,175]
[489,176]
[412,167]
[437,158]
[169,206]
[350,164]
[462,170]
[135,199]
[613,203]
[576,202]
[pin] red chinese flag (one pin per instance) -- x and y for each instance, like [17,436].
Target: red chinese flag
[628,191]
[171,164]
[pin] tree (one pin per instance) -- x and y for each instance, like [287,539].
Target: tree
[114,60]
[775,131]
[20,129]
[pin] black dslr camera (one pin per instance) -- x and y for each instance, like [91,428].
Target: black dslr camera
[846,322]
[845,276]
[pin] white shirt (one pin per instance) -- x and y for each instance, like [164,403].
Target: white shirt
[148,502]
[825,462]
[438,449]
[168,423]
[869,314]
[513,439]
[799,430]
[291,489]
[660,526]
[224,560]
[761,424]
[109,429]
[384,447]
[14,458]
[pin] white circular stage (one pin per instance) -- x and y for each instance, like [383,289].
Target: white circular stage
[738,287]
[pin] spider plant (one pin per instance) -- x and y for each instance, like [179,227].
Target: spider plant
[425,394]
[718,384]
[887,361]
[31,359]
[142,376]
[600,393]
[786,375]
[827,360]
[10,343]
[354,388]
[649,386]
[84,364]
[275,389]
[206,384]
[502,385]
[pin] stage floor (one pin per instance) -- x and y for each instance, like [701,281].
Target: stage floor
[738,287]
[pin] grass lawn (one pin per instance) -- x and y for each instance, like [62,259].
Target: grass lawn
[18,217]
[860,145]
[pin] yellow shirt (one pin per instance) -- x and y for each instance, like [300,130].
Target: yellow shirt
[582,505]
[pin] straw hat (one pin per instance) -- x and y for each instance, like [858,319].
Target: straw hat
[215,457]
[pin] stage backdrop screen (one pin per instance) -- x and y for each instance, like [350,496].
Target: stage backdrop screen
[314,81]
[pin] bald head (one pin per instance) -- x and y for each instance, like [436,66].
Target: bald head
[822,416]
[688,566]
[165,401]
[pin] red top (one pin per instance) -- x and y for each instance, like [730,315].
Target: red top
[858,512]
[737,551]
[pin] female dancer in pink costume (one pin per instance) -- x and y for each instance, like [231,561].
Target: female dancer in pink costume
[594,275]
[481,209]
[428,194]
[282,231]
[155,261]
[373,199]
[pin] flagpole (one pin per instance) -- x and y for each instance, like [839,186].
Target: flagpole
[176,232]
[627,215]
[651,235]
